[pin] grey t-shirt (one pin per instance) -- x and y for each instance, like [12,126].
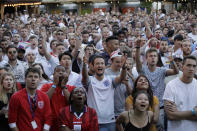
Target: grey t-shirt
[156,79]
[120,93]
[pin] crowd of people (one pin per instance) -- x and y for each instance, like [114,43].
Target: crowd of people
[104,71]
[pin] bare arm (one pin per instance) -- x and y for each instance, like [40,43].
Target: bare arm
[64,88]
[128,86]
[174,114]
[138,62]
[51,90]
[123,73]
[148,30]
[173,71]
[44,48]
[155,113]
[14,129]
[84,72]
[74,52]
[119,121]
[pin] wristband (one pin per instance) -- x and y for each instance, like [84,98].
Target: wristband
[53,86]
[193,112]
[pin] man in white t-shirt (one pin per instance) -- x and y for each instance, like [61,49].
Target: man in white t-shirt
[100,91]
[180,101]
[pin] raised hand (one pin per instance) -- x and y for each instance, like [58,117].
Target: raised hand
[65,79]
[138,42]
[56,79]
[85,60]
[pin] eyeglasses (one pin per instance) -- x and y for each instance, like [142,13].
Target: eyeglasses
[40,47]
[11,52]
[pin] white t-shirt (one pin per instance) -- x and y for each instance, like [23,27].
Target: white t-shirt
[100,96]
[29,49]
[184,96]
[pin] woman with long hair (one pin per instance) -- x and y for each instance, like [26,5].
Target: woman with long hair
[142,83]
[78,116]
[138,118]
[44,78]
[7,89]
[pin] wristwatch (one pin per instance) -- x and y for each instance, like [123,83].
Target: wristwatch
[53,86]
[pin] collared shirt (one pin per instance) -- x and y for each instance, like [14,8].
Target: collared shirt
[87,122]
[20,114]
[18,70]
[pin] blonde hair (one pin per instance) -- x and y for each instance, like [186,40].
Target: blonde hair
[3,93]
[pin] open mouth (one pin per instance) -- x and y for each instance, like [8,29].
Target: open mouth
[100,69]
[79,98]
[143,105]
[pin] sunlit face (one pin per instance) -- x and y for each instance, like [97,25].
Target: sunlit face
[12,54]
[16,38]
[165,31]
[60,36]
[129,63]
[142,83]
[59,71]
[78,96]
[85,37]
[163,47]
[99,66]
[60,49]
[186,48]
[8,82]
[31,57]
[142,102]
[189,68]
[32,80]
[65,61]
[53,45]
[34,43]
[89,51]
[116,63]
[152,58]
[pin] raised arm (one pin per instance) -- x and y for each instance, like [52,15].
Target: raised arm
[64,87]
[123,73]
[53,87]
[148,29]
[44,48]
[75,52]
[174,70]
[138,62]
[128,86]
[84,72]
